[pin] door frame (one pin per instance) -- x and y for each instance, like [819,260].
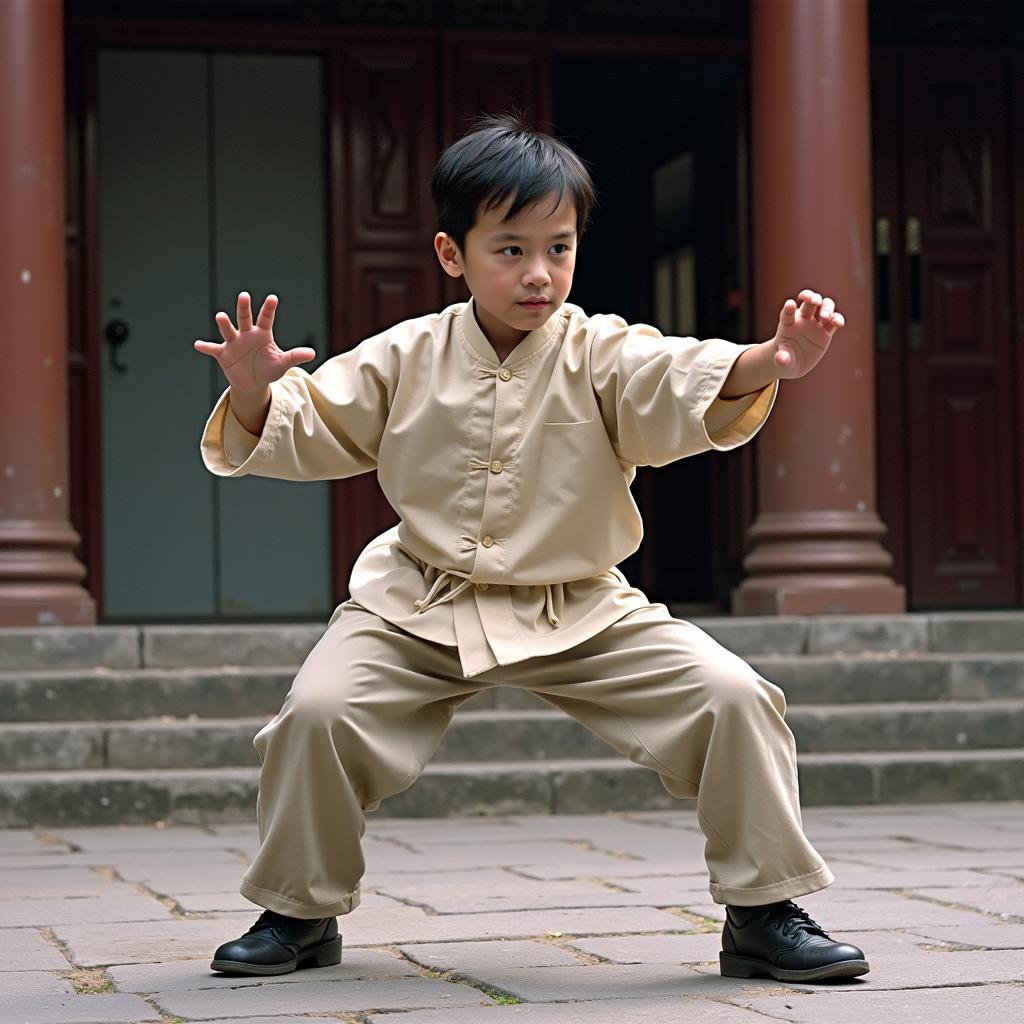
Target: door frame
[890,369]
[1016,190]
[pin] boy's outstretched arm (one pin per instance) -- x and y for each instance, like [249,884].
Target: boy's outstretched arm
[803,337]
[251,360]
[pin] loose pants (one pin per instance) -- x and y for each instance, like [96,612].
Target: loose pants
[371,703]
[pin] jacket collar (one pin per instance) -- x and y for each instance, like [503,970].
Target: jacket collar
[533,341]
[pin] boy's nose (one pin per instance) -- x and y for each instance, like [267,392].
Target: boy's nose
[537,274]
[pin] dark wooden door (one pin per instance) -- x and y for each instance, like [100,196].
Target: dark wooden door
[946,332]
[696,511]
[383,144]
[1017,191]
[393,115]
[491,73]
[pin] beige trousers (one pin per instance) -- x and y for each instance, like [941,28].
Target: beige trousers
[371,703]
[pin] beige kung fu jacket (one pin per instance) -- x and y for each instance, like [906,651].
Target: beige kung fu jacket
[511,479]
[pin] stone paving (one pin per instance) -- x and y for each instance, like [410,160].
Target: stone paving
[551,920]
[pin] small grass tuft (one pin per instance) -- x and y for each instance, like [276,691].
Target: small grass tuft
[90,982]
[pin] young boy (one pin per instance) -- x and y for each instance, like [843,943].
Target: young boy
[506,431]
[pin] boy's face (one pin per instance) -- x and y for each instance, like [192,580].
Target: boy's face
[518,271]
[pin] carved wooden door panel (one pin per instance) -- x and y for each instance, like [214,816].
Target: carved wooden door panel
[1017,190]
[492,73]
[383,268]
[384,145]
[951,257]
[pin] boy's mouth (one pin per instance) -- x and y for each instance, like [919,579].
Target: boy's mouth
[535,303]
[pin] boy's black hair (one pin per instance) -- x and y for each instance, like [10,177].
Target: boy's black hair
[503,156]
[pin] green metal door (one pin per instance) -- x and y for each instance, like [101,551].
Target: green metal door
[212,180]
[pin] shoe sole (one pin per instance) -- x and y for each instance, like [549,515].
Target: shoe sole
[327,954]
[734,966]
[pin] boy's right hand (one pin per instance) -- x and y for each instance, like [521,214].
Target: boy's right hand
[249,355]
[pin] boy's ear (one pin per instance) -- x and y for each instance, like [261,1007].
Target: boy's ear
[448,254]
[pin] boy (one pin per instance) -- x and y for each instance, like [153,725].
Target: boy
[505,431]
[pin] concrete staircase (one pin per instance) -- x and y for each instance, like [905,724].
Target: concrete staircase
[140,724]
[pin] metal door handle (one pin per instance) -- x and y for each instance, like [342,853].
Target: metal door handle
[883,296]
[915,313]
[117,333]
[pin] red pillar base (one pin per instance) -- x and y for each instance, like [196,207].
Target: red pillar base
[40,578]
[819,596]
[818,563]
[55,609]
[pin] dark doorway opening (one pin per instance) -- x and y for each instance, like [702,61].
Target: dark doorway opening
[665,141]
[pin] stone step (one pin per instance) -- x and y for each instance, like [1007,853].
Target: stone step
[483,736]
[224,691]
[839,679]
[952,633]
[271,644]
[219,795]
[100,694]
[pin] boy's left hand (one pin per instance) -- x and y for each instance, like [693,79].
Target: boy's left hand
[804,334]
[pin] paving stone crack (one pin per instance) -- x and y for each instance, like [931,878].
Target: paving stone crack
[586,844]
[702,925]
[393,841]
[408,901]
[168,902]
[50,936]
[664,826]
[52,839]
[566,942]
[456,977]
[611,886]
[996,915]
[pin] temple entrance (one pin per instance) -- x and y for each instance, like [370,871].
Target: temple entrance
[667,246]
[342,235]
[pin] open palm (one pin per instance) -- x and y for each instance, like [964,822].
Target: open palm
[249,356]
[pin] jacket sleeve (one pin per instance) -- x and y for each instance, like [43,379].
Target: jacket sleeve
[325,425]
[659,396]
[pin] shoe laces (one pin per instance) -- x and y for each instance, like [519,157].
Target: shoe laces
[271,921]
[267,921]
[790,920]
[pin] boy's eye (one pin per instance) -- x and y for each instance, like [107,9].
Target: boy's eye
[559,249]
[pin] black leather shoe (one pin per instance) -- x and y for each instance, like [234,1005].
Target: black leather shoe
[781,941]
[276,944]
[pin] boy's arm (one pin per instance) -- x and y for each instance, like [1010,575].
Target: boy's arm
[753,370]
[287,423]
[250,407]
[802,339]
[659,396]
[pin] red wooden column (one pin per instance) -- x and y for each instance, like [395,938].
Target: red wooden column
[816,543]
[40,579]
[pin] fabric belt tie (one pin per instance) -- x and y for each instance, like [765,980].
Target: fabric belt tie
[435,598]
[428,602]
[549,603]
